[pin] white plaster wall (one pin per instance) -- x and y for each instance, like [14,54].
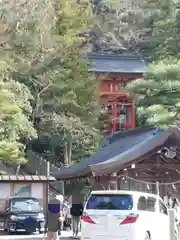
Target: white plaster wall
[37,190]
[5,190]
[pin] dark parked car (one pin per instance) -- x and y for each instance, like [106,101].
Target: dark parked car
[23,214]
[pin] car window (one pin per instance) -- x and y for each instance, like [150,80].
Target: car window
[25,205]
[151,204]
[162,208]
[110,202]
[142,204]
[147,204]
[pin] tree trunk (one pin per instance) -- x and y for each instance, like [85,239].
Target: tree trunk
[70,151]
[66,161]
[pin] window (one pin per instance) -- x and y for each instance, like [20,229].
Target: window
[147,204]
[110,202]
[25,204]
[162,208]
[22,190]
[142,203]
[151,204]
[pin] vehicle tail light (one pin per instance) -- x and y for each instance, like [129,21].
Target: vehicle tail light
[85,218]
[132,218]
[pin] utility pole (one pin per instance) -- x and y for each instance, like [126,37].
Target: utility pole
[47,185]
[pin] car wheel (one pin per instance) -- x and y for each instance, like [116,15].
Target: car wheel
[9,232]
[147,237]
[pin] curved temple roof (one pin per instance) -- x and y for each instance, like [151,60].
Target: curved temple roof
[130,145]
[107,63]
[137,151]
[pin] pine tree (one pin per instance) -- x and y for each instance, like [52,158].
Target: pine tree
[122,28]
[130,28]
[157,94]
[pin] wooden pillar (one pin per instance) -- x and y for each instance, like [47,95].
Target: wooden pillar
[119,183]
[115,110]
[156,188]
[154,191]
[133,115]
[162,191]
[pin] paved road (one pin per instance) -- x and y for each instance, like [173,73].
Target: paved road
[64,236]
[30,237]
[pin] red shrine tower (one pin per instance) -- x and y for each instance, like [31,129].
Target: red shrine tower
[113,72]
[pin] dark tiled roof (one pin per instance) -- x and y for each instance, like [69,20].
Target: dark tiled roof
[127,157]
[27,178]
[118,135]
[116,64]
[114,149]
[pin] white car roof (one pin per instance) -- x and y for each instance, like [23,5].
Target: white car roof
[117,192]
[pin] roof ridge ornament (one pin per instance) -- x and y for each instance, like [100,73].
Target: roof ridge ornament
[170,152]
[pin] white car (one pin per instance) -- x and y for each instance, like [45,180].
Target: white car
[124,215]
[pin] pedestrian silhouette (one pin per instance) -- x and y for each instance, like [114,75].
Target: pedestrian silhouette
[54,219]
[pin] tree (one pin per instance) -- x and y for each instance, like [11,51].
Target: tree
[121,28]
[14,124]
[44,45]
[157,94]
[130,27]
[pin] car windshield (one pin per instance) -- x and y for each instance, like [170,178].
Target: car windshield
[25,205]
[110,202]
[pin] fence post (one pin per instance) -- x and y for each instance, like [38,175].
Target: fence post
[171,224]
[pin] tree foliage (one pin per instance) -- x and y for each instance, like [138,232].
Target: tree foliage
[134,27]
[42,43]
[14,123]
[122,27]
[157,94]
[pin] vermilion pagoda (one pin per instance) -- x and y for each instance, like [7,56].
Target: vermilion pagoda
[114,71]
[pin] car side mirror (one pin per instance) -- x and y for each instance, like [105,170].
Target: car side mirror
[7,210]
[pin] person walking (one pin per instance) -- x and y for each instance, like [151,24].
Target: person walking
[76,213]
[53,219]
